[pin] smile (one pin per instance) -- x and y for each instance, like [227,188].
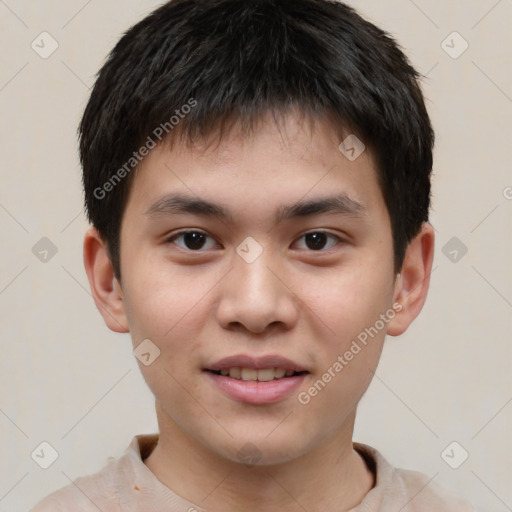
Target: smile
[252,374]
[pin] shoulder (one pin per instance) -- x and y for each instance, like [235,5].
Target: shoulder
[424,494]
[103,490]
[407,490]
[85,494]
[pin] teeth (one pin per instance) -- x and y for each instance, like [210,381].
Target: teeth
[249,374]
[263,375]
[279,373]
[236,373]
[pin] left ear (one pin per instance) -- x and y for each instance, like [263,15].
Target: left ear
[412,283]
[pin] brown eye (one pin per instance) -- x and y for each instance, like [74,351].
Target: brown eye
[191,240]
[317,240]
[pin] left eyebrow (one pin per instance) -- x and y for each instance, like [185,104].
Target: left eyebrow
[179,203]
[340,204]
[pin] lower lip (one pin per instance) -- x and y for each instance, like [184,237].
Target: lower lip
[256,392]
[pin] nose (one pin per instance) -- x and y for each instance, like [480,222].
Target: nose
[257,296]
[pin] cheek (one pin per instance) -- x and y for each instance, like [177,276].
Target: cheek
[167,309]
[347,301]
[349,344]
[163,302]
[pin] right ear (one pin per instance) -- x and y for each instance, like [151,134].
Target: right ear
[106,290]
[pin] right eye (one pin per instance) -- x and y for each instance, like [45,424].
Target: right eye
[192,240]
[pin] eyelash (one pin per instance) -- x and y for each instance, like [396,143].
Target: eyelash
[181,233]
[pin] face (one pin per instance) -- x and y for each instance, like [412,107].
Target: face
[260,282]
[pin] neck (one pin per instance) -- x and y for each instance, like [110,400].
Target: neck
[333,476]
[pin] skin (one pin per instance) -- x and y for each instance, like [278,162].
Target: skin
[305,304]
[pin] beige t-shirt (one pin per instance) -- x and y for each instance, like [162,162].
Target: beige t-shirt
[126,484]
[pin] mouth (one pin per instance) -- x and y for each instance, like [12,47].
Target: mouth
[263,368]
[256,380]
[260,375]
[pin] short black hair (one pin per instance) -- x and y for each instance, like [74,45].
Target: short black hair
[194,67]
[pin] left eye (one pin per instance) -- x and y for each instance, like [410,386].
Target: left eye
[195,240]
[316,240]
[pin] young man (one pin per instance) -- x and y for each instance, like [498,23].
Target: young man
[257,178]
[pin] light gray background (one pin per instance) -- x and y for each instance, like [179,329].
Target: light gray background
[66,379]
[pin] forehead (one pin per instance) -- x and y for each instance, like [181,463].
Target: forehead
[275,162]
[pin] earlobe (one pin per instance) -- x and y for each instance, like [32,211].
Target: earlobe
[106,290]
[411,285]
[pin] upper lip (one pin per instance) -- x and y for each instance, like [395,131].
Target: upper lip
[258,363]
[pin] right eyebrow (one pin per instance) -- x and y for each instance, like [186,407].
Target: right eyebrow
[178,203]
